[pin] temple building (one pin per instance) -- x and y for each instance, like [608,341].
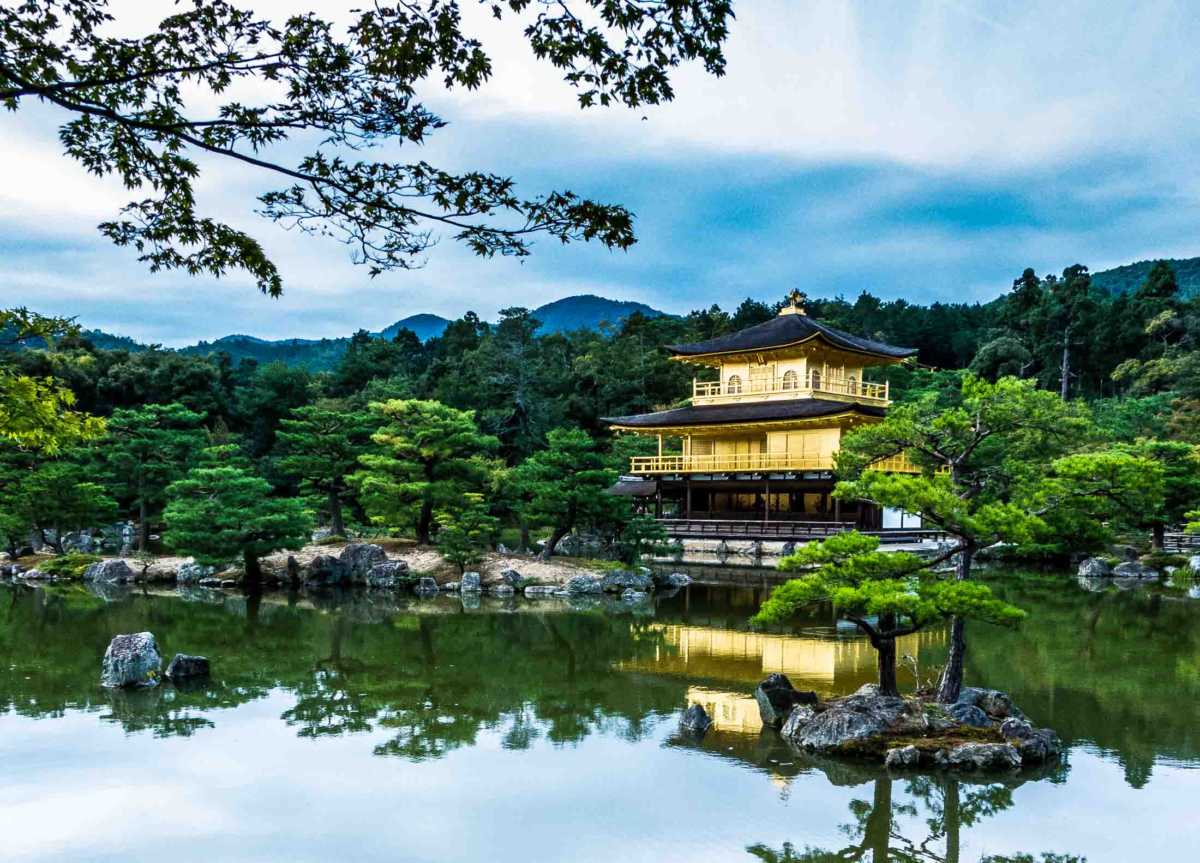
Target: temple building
[752,455]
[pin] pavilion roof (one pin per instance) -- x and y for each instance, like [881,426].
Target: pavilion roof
[784,330]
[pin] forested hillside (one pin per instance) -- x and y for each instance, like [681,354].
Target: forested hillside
[1126,279]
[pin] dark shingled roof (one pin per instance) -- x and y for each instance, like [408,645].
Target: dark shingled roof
[792,409]
[634,488]
[784,330]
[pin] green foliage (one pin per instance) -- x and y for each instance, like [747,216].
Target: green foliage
[641,537]
[849,571]
[466,531]
[38,412]
[130,103]
[69,565]
[431,455]
[320,446]
[218,513]
[564,485]
[57,497]
[145,450]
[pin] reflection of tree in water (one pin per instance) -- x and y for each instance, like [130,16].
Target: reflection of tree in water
[877,834]
[435,681]
[1111,667]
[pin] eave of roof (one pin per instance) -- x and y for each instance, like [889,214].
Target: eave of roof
[752,412]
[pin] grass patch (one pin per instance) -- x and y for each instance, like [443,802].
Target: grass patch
[69,565]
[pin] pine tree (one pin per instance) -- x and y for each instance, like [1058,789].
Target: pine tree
[147,449]
[320,445]
[466,531]
[565,485]
[219,513]
[431,455]
[898,589]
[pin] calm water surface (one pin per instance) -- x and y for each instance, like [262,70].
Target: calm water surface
[365,729]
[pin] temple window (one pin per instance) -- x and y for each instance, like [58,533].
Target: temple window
[734,385]
[790,380]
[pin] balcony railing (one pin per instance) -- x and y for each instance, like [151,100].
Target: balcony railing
[811,385]
[756,462]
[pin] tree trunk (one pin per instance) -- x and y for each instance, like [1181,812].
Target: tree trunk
[253,581]
[885,648]
[1065,385]
[526,541]
[143,523]
[336,523]
[552,543]
[952,675]
[425,522]
[1159,536]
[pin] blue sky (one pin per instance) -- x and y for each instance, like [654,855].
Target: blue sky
[931,152]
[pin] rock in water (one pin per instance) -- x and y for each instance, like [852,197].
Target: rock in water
[983,756]
[678,579]
[502,590]
[801,715]
[578,584]
[131,660]
[1035,745]
[776,697]
[427,587]
[902,758]
[512,578]
[191,572]
[112,571]
[1094,567]
[359,558]
[1135,569]
[185,667]
[1194,564]
[471,583]
[325,570]
[390,574]
[993,702]
[695,721]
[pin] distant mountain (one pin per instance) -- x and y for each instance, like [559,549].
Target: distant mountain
[587,312]
[565,315]
[1126,279]
[426,327]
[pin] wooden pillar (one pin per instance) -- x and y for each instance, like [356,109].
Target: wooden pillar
[837,509]
[766,499]
[687,496]
[658,495]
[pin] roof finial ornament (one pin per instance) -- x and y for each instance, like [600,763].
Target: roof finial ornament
[796,301]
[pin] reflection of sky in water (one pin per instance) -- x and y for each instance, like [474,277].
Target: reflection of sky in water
[75,789]
[98,777]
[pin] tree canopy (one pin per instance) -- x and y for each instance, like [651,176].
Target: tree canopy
[134,109]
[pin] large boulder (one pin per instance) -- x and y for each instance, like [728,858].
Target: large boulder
[801,715]
[1035,745]
[185,667]
[325,570]
[621,580]
[111,571]
[470,583]
[583,584]
[983,756]
[1135,569]
[694,721]
[359,558]
[902,758]
[776,697]
[996,704]
[1094,567]
[1194,564]
[191,572]
[132,659]
[856,717]
[969,714]
[512,578]
[678,579]
[389,575]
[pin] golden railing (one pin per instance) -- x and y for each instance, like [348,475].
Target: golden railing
[812,384]
[753,463]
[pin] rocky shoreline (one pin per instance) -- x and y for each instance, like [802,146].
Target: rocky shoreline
[983,730]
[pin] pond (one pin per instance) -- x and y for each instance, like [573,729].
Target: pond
[361,729]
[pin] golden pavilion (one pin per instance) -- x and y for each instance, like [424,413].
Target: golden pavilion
[754,450]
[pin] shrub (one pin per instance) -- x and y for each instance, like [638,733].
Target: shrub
[69,565]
